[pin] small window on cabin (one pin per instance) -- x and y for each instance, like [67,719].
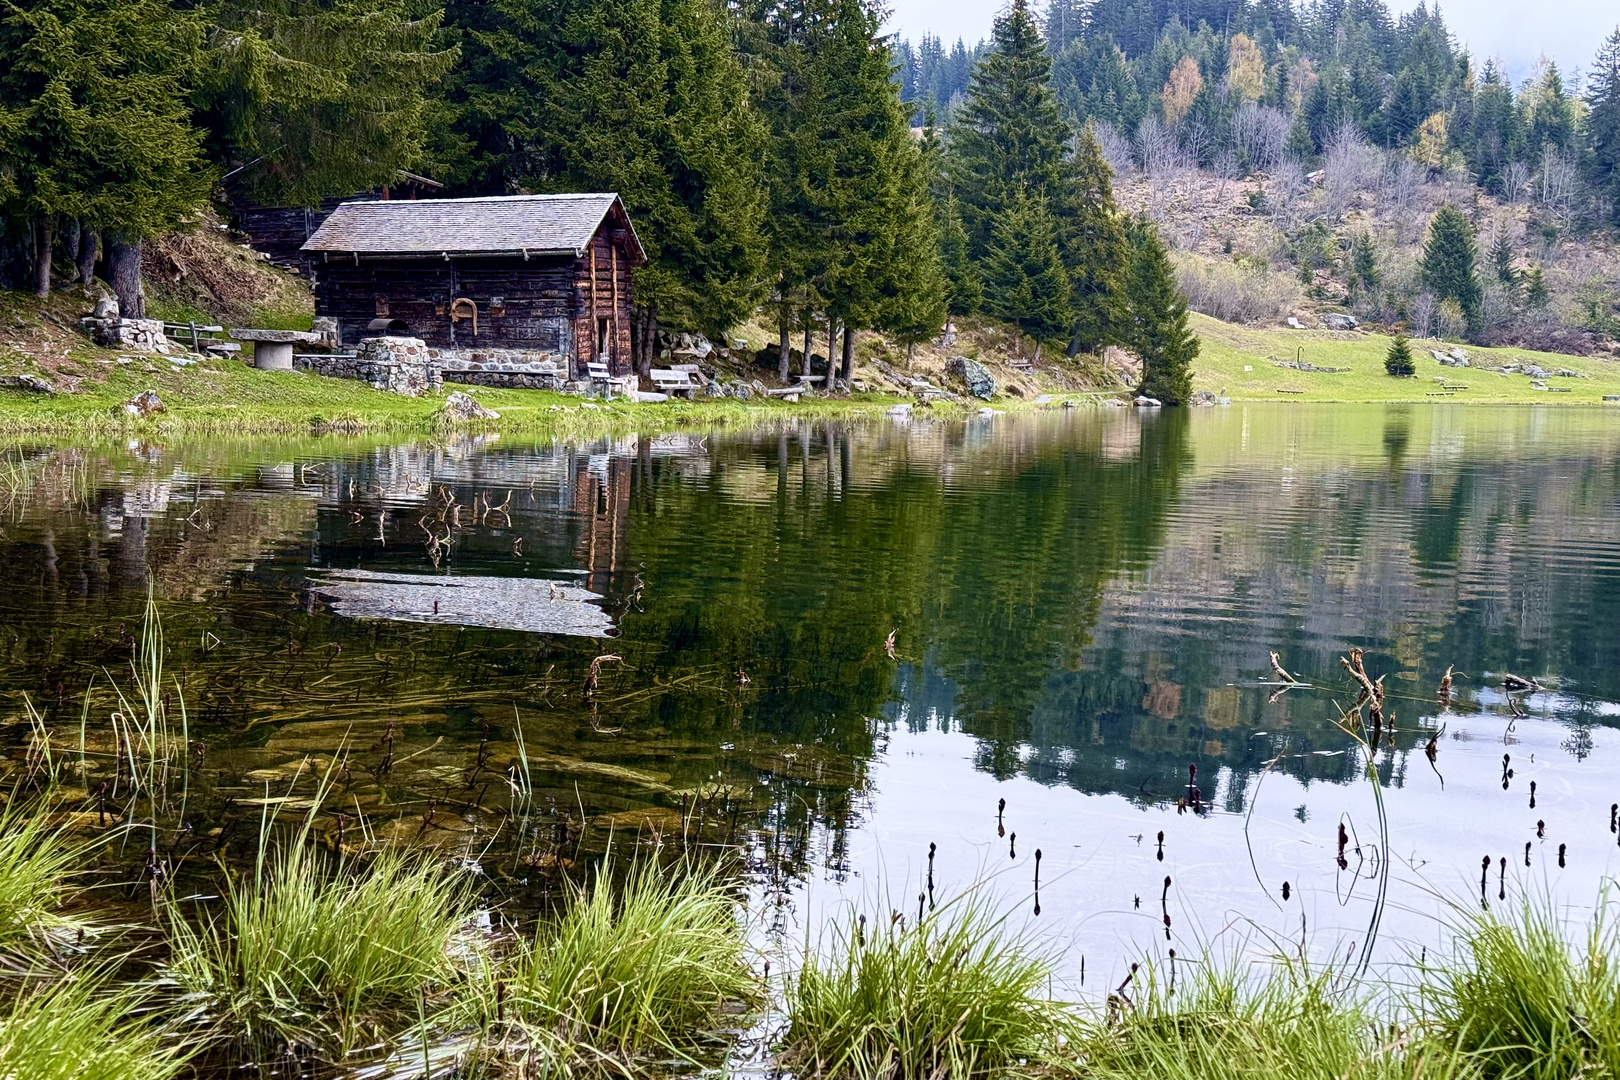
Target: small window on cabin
[382,307]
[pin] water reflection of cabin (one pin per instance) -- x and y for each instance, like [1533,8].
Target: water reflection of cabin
[538,273]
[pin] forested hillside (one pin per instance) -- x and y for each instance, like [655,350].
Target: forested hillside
[785,157]
[1294,156]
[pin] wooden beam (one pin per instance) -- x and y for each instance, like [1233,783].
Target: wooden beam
[614,252]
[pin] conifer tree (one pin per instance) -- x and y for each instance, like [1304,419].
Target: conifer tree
[1159,333]
[1094,249]
[1535,289]
[97,126]
[1448,264]
[1007,137]
[1603,122]
[647,98]
[1364,274]
[321,97]
[1025,281]
[964,293]
[1398,360]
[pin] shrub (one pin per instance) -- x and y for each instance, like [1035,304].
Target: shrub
[1242,291]
[953,996]
[1398,361]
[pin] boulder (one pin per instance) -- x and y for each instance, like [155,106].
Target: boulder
[980,383]
[144,404]
[459,406]
[1454,358]
[32,383]
[1336,321]
[106,307]
[899,412]
[1142,401]
[741,391]
[1203,397]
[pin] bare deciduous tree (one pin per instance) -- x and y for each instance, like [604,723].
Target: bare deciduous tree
[1260,133]
[1116,148]
[1350,165]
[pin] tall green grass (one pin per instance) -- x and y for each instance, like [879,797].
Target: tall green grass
[38,862]
[75,1029]
[1523,1001]
[639,967]
[318,949]
[955,996]
[1220,1023]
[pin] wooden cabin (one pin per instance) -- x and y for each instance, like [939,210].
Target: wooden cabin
[538,273]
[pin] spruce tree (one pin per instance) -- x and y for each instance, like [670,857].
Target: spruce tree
[1095,251]
[97,125]
[647,98]
[1448,264]
[1025,281]
[1007,137]
[1364,273]
[1603,122]
[1398,360]
[1535,289]
[1159,333]
[322,97]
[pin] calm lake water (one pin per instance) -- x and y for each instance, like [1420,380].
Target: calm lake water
[1082,606]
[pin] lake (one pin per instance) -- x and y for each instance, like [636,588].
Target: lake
[688,638]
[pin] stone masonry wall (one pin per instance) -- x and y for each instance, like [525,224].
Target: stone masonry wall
[408,366]
[136,335]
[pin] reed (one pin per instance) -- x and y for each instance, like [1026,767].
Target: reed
[1521,1000]
[320,949]
[635,969]
[78,1028]
[955,995]
[1224,1022]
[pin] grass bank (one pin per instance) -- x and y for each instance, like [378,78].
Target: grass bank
[1244,363]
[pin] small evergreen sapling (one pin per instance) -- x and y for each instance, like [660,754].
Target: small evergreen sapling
[1398,361]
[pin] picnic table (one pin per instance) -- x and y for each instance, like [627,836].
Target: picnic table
[273,349]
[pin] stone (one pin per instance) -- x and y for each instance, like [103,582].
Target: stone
[325,327]
[106,308]
[1142,401]
[459,406]
[1454,358]
[899,412]
[979,381]
[741,391]
[144,404]
[399,365]
[1337,321]
[32,383]
[1203,397]
[138,335]
[284,337]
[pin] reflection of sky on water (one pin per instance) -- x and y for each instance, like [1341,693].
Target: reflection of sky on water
[1099,852]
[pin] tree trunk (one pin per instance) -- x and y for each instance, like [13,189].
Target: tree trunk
[832,351]
[1037,353]
[910,345]
[124,275]
[784,331]
[847,368]
[44,241]
[643,329]
[87,253]
[809,325]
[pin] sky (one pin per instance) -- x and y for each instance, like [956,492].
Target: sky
[1569,31]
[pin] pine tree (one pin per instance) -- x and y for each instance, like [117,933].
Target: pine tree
[97,126]
[1398,360]
[1159,333]
[323,97]
[1095,251]
[646,98]
[1502,263]
[1603,122]
[1448,264]
[1007,137]
[1025,281]
[964,293]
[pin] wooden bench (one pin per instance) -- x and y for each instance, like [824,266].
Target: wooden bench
[194,331]
[601,379]
[673,381]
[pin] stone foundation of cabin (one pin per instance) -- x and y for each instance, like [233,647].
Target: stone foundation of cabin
[408,366]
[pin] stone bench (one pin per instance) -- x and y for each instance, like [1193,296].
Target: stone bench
[273,349]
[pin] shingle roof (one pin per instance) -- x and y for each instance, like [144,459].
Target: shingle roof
[536,224]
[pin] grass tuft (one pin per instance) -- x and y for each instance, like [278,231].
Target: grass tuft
[1524,1002]
[1219,1024]
[37,864]
[314,949]
[638,966]
[954,996]
[74,1029]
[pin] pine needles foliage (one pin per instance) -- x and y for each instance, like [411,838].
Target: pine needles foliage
[1398,361]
